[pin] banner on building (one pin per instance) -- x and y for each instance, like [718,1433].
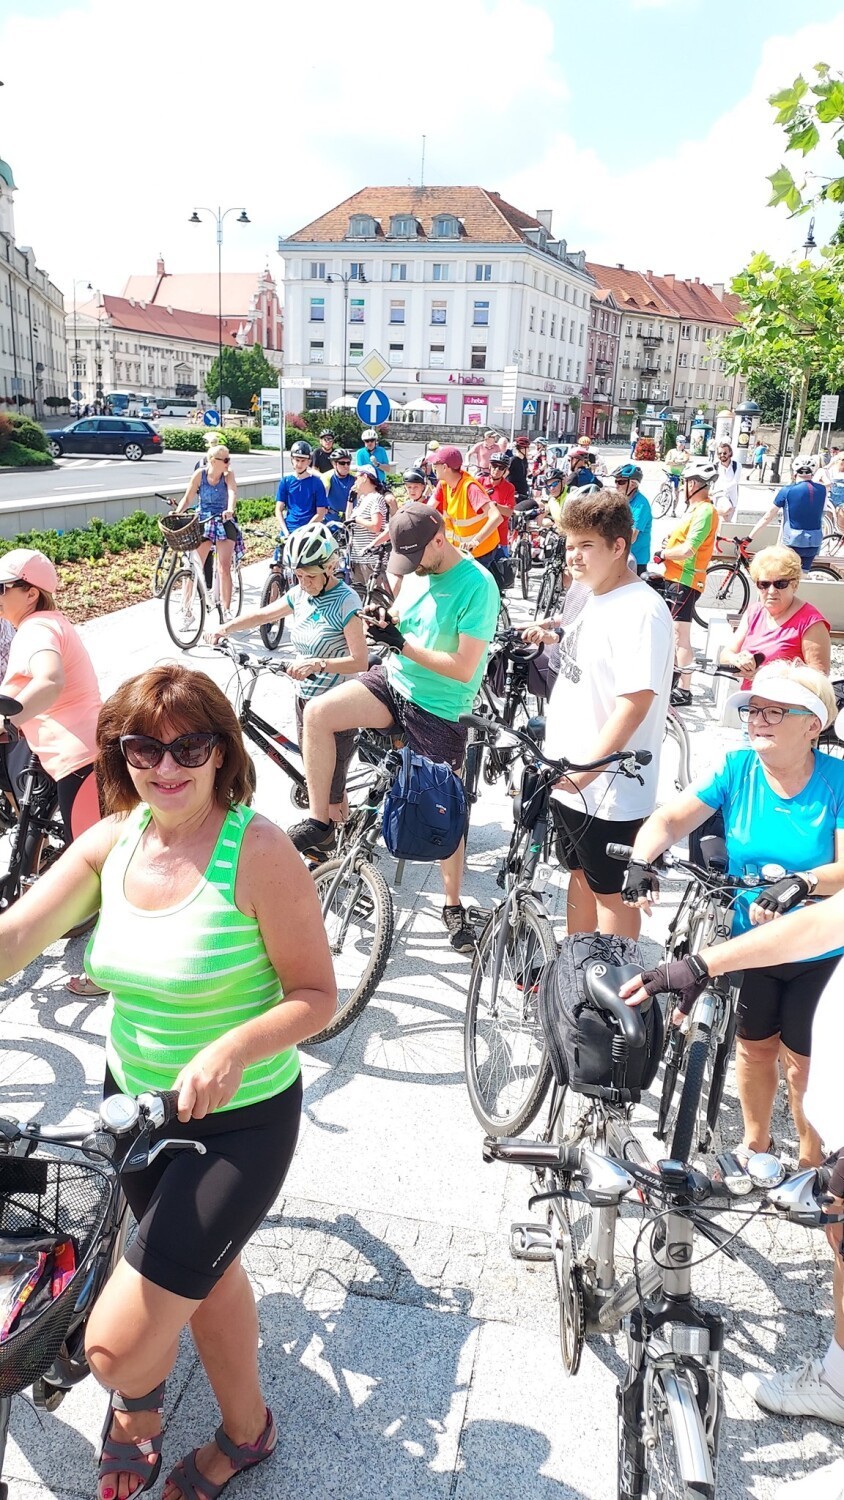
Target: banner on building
[270,418]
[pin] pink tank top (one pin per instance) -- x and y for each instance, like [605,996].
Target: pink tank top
[779,642]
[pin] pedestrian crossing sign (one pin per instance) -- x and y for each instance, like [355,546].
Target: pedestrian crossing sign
[528,408]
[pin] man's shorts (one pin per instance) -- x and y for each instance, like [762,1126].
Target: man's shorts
[582,845]
[681,600]
[427,734]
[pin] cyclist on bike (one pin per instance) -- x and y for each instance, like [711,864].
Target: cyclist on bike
[782,802]
[367,510]
[676,459]
[687,554]
[800,507]
[339,483]
[213,489]
[502,493]
[628,478]
[518,471]
[780,626]
[438,636]
[581,470]
[300,497]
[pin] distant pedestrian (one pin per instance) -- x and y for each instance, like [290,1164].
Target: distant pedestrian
[634,438]
[759,458]
[323,457]
[801,506]
[725,489]
[372,453]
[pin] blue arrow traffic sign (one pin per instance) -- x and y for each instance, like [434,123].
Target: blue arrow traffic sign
[528,408]
[373,407]
[211,418]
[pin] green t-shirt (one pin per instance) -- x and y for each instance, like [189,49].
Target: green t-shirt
[434,612]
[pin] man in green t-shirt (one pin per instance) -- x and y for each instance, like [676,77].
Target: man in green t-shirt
[438,635]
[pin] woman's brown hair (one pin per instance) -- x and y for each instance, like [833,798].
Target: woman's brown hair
[187,702]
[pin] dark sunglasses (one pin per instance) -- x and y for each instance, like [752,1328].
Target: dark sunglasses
[773,583]
[17,583]
[190,750]
[342,461]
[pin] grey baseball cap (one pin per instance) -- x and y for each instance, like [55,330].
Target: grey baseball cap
[411,529]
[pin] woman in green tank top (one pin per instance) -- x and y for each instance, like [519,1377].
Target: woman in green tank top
[211,942]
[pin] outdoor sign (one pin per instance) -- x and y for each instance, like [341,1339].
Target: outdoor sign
[829,409]
[373,367]
[373,407]
[211,418]
[508,388]
[270,418]
[528,407]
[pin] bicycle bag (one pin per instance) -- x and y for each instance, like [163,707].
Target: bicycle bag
[424,814]
[587,1050]
[503,570]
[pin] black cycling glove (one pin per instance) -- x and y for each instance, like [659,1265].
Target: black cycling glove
[639,881]
[784,894]
[684,977]
[387,635]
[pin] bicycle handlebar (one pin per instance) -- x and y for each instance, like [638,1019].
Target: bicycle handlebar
[251,663]
[629,762]
[118,1116]
[715,880]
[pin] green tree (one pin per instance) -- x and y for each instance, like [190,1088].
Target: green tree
[245,372]
[790,325]
[809,114]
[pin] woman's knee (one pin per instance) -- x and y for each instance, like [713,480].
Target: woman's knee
[796,1069]
[133,1325]
[758,1051]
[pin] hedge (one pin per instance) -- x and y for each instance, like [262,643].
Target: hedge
[99,537]
[15,456]
[199,439]
[28,434]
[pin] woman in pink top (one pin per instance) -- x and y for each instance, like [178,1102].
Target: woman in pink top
[779,627]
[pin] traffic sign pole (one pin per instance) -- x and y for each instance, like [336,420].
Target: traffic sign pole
[373,407]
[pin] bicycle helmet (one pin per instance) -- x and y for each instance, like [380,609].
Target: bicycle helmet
[340,454]
[702,469]
[628,471]
[803,466]
[499,460]
[414,476]
[587,491]
[309,547]
[556,476]
[301,449]
[326,432]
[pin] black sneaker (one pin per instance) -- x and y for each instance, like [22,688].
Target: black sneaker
[312,837]
[459,928]
[680,697]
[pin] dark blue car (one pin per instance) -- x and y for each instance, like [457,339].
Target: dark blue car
[105,435]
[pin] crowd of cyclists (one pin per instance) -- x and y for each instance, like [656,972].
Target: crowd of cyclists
[215,1005]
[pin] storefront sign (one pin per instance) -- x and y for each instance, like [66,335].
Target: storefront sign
[474,411]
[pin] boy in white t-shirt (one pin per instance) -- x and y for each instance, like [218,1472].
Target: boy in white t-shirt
[612,694]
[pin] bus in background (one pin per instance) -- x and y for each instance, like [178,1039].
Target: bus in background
[175,406]
[123,403]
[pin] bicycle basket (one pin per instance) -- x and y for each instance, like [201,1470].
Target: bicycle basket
[50,1196]
[585,1045]
[182,533]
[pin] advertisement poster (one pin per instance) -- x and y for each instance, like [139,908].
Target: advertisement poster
[270,418]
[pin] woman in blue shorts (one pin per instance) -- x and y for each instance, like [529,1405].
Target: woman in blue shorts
[213,489]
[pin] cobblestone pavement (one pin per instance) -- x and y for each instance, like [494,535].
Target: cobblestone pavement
[404,1352]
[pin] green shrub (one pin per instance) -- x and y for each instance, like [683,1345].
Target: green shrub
[15,456]
[127,535]
[235,439]
[254,435]
[185,439]
[346,426]
[29,434]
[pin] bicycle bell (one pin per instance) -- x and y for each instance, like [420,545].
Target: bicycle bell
[765,1170]
[119,1114]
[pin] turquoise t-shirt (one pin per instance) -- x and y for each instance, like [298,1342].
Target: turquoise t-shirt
[763,828]
[435,611]
[640,510]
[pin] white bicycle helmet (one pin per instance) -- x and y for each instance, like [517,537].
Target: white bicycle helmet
[803,465]
[309,547]
[702,469]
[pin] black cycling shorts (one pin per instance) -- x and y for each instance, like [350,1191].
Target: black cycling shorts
[681,600]
[582,845]
[426,733]
[782,1001]
[196,1213]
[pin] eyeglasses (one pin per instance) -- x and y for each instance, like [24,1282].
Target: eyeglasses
[769,716]
[774,583]
[340,462]
[17,583]
[190,750]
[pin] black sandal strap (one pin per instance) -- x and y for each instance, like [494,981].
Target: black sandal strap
[153,1401]
[244,1455]
[132,1458]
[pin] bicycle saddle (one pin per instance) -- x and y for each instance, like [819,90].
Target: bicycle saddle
[522,650]
[8,706]
[603,982]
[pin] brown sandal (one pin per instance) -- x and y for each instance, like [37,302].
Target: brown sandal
[192,1485]
[84,987]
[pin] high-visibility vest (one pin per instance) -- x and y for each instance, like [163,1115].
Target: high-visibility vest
[462,521]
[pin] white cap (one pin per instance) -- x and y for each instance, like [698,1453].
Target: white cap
[776,687]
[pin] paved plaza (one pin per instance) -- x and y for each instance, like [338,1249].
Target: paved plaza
[404,1352]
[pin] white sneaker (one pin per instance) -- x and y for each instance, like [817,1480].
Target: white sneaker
[227,616]
[823,1484]
[802,1392]
[187,620]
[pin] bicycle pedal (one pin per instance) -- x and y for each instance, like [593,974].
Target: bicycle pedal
[531,1241]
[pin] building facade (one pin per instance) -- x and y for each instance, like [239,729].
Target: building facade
[33,359]
[450,285]
[251,298]
[598,401]
[119,344]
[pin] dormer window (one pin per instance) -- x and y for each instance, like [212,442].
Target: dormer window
[403,227]
[361,227]
[446,227]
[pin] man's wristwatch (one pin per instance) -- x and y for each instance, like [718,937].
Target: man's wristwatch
[811,880]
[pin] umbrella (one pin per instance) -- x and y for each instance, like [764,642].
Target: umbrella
[345,401]
[423,404]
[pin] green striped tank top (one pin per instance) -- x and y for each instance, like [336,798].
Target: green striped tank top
[182,977]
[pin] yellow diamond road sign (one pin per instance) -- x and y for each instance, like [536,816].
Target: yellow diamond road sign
[374,367]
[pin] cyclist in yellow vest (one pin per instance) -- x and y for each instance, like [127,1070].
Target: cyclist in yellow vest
[472,519]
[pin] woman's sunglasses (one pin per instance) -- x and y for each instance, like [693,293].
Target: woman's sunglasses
[773,583]
[189,750]
[17,583]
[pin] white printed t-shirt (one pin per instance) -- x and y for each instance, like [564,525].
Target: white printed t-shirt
[621,642]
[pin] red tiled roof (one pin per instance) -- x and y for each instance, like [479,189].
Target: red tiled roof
[692,300]
[197,291]
[174,323]
[632,291]
[484,216]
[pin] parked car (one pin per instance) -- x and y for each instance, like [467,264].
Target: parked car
[147,411]
[102,435]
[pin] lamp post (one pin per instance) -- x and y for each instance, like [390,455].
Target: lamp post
[218,215]
[76,393]
[345,277]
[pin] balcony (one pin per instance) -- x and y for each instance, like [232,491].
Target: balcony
[648,371]
[603,367]
[652,340]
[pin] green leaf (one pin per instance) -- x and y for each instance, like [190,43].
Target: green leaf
[835,191]
[804,140]
[793,200]
[782,183]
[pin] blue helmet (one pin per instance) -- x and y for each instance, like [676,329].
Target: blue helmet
[628,471]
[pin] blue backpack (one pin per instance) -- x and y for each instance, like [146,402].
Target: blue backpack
[424,810]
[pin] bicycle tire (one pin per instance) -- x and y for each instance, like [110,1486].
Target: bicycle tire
[662,500]
[685,1125]
[822,573]
[663,1469]
[187,635]
[270,594]
[509,1108]
[545,596]
[725,591]
[237,591]
[162,570]
[503,622]
[353,998]
[524,567]
[714,1093]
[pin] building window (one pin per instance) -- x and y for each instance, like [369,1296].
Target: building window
[403,226]
[442,271]
[542,322]
[317,270]
[532,320]
[637,360]
[682,361]
[634,389]
[317,309]
[361,227]
[478,360]
[316,400]
[398,271]
[436,355]
[625,357]
[685,330]
[560,367]
[397,354]
[629,329]
[552,333]
[579,374]
[571,331]
[316,353]
[480,314]
[356,309]
[694,361]
[446,227]
[568,369]
[397,312]
[671,334]
[644,390]
[438,310]
[580,336]
[356,271]
[623,390]
[355,351]
[483,272]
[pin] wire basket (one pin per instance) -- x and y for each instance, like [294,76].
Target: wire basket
[71,1199]
[182,533]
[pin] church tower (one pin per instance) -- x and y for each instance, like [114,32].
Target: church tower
[7,199]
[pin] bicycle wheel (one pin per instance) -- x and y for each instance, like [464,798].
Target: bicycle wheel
[162,570]
[507,1067]
[664,1477]
[524,567]
[725,591]
[503,622]
[271,593]
[359,920]
[545,596]
[237,591]
[184,609]
[661,503]
[685,1133]
[832,545]
[823,573]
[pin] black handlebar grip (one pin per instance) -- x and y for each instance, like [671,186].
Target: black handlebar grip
[622,852]
[475,721]
[170,1104]
[644,757]
[758,657]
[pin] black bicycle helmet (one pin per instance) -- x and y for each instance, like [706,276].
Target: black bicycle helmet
[499,460]
[301,449]
[414,476]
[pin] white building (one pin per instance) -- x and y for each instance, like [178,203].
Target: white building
[450,285]
[119,344]
[32,338]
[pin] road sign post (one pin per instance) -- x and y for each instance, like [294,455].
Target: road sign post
[211,418]
[508,396]
[374,407]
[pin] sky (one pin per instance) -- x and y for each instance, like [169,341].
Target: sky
[643,124]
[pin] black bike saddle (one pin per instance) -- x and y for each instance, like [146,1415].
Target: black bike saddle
[8,706]
[603,982]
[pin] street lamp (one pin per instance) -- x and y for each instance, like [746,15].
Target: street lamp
[345,277]
[76,392]
[218,215]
